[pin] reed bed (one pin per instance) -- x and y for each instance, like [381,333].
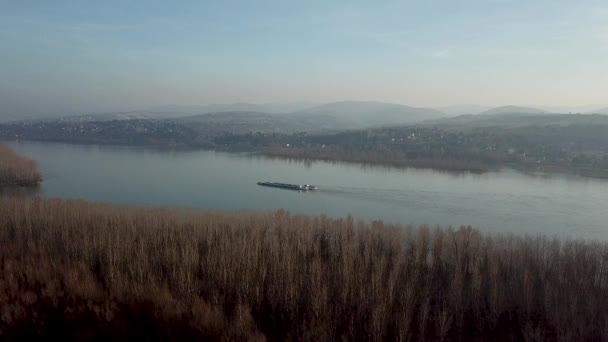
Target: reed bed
[77,270]
[16,170]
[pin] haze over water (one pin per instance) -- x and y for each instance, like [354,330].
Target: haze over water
[495,202]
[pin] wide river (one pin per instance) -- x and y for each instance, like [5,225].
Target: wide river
[496,202]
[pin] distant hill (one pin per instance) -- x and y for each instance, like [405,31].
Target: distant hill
[512,110]
[178,111]
[358,114]
[134,115]
[271,108]
[463,109]
[228,117]
[330,116]
[234,122]
[570,109]
[10,116]
[7,118]
[600,111]
[519,120]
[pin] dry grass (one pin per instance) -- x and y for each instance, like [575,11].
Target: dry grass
[16,170]
[379,157]
[78,270]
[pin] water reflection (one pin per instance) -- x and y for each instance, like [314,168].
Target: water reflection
[366,167]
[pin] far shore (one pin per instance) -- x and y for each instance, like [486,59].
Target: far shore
[436,165]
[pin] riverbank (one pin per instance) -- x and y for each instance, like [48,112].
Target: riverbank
[16,170]
[554,169]
[72,269]
[469,162]
[377,159]
[446,165]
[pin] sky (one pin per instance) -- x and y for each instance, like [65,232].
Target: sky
[74,57]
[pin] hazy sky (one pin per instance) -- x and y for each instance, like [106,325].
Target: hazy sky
[71,56]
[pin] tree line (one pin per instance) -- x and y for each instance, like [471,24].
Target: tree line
[476,149]
[73,269]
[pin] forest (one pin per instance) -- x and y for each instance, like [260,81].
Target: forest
[72,269]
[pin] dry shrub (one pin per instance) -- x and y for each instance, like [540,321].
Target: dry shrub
[73,269]
[16,170]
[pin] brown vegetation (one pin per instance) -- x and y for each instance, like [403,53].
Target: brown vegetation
[378,157]
[73,269]
[16,170]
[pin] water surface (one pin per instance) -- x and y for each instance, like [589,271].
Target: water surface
[504,201]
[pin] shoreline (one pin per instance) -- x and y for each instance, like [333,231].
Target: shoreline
[435,165]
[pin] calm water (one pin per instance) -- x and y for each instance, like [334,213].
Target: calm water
[505,201]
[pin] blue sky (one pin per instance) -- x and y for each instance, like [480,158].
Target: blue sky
[90,56]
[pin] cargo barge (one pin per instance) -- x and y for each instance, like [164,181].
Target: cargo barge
[305,187]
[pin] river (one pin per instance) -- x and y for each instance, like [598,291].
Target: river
[495,202]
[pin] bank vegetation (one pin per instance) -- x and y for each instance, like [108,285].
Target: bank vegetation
[73,269]
[16,170]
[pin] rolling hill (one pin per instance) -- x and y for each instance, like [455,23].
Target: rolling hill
[359,114]
[463,109]
[519,120]
[600,111]
[271,108]
[512,110]
[8,118]
[242,122]
[120,116]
